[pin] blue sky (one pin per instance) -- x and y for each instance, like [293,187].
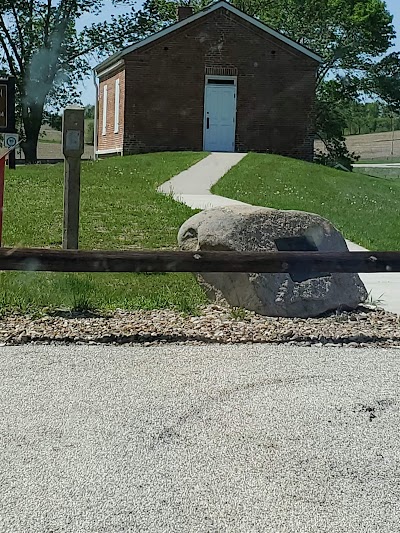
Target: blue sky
[394,8]
[88,91]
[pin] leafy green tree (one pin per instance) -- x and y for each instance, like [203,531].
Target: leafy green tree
[54,120]
[89,131]
[41,46]
[373,111]
[366,117]
[90,111]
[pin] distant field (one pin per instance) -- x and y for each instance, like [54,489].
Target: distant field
[49,146]
[373,147]
[52,150]
[382,160]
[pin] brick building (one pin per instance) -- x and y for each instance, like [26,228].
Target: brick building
[217,80]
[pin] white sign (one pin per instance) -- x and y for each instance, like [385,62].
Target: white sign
[10,140]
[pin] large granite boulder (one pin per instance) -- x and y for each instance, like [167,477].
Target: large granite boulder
[250,228]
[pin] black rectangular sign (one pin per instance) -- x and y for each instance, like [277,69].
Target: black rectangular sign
[3,105]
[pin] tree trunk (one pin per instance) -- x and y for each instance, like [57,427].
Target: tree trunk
[30,150]
[32,119]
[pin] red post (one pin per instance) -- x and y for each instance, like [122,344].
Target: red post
[2,172]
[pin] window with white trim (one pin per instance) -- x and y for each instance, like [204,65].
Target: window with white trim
[105,101]
[116,107]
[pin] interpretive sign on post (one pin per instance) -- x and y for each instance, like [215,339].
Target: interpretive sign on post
[73,148]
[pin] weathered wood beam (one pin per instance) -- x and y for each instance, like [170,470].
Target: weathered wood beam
[37,259]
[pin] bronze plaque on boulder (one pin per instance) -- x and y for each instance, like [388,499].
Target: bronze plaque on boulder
[301,243]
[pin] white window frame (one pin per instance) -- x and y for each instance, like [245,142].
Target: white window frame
[116,105]
[105,103]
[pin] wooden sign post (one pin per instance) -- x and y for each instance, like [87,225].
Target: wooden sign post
[73,148]
[3,158]
[2,174]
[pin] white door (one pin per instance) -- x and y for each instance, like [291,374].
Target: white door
[219,118]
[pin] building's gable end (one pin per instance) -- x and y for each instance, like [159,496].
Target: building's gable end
[203,13]
[194,31]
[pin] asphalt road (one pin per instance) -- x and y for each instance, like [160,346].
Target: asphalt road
[199,439]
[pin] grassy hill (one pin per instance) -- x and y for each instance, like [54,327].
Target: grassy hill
[120,209]
[364,208]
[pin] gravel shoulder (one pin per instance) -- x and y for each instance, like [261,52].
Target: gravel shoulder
[215,324]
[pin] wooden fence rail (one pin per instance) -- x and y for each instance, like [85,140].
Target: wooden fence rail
[37,259]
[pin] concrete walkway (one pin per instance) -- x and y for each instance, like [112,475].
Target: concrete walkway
[192,187]
[384,288]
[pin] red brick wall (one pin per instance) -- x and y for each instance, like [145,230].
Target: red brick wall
[165,89]
[112,140]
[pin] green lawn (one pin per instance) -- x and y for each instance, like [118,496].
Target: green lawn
[364,208]
[120,209]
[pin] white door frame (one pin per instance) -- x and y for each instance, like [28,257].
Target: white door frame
[210,76]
